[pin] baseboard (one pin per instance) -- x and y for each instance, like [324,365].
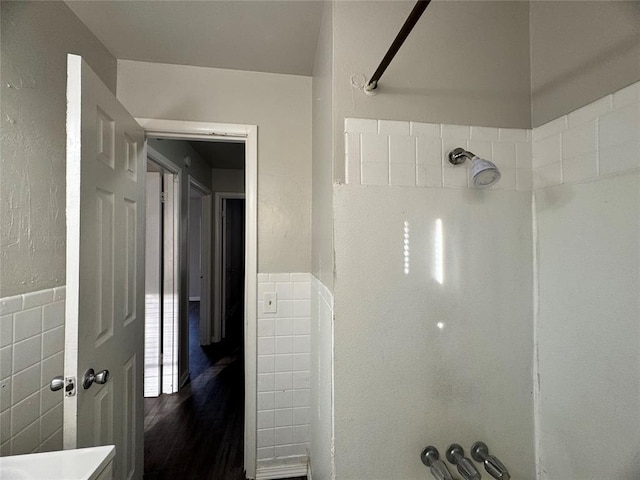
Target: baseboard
[194,299]
[273,472]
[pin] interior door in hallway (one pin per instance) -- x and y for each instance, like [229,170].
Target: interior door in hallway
[233,268]
[105,271]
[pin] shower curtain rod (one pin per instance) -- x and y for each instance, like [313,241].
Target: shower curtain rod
[412,19]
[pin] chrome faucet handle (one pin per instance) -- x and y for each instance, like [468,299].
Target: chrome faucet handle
[431,458]
[493,466]
[466,468]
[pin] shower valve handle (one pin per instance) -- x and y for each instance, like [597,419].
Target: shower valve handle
[431,458]
[466,468]
[493,466]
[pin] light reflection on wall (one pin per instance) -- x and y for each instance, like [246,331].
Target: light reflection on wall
[438,252]
[406,248]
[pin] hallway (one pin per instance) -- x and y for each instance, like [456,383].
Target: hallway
[198,432]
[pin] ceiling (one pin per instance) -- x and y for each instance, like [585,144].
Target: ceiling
[265,36]
[228,155]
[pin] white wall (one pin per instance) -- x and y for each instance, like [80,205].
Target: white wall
[36,37]
[322,168]
[588,278]
[322,445]
[281,107]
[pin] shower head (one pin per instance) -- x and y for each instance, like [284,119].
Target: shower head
[484,172]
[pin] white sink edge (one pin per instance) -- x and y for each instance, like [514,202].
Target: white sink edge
[78,464]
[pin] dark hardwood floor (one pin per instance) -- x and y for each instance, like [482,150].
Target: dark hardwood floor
[198,432]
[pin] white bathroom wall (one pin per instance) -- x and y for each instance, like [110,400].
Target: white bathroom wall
[322,436]
[588,275]
[31,354]
[284,378]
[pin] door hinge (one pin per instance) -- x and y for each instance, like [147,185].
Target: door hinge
[163,197]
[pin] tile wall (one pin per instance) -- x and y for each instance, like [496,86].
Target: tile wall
[412,154]
[31,354]
[284,384]
[599,139]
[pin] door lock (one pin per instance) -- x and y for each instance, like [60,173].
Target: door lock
[90,376]
[69,384]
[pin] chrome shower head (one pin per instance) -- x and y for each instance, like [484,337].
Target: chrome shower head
[484,172]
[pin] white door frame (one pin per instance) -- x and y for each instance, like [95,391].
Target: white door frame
[218,326]
[205,259]
[171,285]
[248,133]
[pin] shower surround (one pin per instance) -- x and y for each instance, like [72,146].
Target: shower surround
[479,314]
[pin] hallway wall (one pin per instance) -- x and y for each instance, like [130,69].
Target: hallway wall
[280,107]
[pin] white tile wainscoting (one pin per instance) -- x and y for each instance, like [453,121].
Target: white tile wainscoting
[599,139]
[284,378]
[31,354]
[412,154]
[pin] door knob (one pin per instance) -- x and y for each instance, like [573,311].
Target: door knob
[90,376]
[57,383]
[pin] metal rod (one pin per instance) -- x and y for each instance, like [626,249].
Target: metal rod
[412,19]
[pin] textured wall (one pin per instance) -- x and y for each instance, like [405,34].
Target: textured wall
[35,39]
[581,51]
[280,105]
[322,168]
[322,459]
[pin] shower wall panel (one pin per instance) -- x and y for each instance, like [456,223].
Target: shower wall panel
[433,327]
[588,277]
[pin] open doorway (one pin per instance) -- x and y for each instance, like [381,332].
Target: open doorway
[200,427]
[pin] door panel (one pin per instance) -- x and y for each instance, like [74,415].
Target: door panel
[105,267]
[233,258]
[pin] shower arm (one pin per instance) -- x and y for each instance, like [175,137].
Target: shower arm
[410,22]
[459,155]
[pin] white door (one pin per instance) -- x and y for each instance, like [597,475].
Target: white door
[105,271]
